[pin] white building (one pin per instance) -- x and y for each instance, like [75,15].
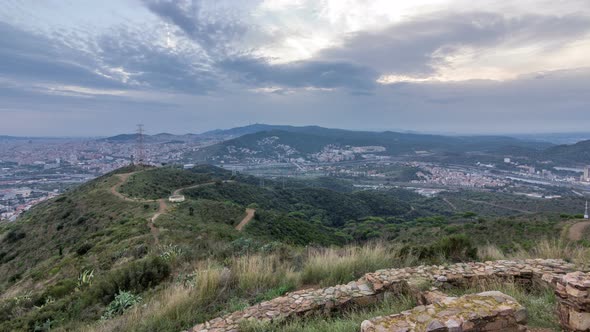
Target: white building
[586,211]
[176,198]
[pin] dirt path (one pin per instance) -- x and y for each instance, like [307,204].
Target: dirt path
[249,215]
[577,230]
[161,209]
[450,204]
[178,191]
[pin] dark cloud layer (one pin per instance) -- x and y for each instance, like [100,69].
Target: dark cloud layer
[207,74]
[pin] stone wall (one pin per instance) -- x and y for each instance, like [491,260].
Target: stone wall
[574,301]
[373,286]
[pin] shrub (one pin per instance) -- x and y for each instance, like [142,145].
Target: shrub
[14,235]
[456,248]
[136,277]
[83,249]
[122,302]
[61,289]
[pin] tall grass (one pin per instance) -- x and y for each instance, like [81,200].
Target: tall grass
[208,291]
[253,273]
[556,248]
[490,252]
[215,288]
[333,266]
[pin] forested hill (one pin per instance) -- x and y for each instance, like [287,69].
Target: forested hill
[579,152]
[302,141]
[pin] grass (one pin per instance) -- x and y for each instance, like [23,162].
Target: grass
[214,289]
[254,273]
[214,269]
[332,266]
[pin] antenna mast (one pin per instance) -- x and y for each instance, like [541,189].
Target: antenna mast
[140,146]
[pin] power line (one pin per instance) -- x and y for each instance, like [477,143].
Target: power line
[140,153]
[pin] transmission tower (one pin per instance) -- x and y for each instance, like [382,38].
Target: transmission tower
[140,153]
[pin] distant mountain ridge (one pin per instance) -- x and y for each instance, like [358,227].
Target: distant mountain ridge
[578,152]
[304,141]
[156,138]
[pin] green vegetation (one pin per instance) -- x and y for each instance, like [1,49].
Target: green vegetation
[161,182]
[122,302]
[90,254]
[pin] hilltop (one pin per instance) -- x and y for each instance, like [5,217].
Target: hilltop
[296,142]
[65,262]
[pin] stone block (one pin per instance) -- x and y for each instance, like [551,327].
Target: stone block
[488,311]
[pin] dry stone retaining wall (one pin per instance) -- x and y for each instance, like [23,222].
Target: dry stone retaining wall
[574,301]
[373,286]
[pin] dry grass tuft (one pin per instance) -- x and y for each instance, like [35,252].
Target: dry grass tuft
[333,266]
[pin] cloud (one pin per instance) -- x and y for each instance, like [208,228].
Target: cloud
[36,58]
[149,65]
[301,74]
[421,46]
[213,30]
[226,62]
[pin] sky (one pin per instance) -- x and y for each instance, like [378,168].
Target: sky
[95,68]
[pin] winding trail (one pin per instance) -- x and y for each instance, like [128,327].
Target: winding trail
[576,230]
[180,190]
[163,206]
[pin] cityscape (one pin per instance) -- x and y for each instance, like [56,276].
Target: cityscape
[36,169]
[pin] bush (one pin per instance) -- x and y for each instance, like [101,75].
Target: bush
[136,277]
[14,235]
[456,248]
[83,249]
[61,289]
[122,302]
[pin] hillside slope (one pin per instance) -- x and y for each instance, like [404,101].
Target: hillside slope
[65,262]
[298,142]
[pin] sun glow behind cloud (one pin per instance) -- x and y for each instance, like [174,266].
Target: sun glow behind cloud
[335,55]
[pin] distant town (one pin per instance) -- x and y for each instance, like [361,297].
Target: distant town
[34,170]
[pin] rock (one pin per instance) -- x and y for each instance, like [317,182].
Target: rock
[435,325]
[484,317]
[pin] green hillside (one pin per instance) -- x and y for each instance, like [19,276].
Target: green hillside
[68,263]
[309,140]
